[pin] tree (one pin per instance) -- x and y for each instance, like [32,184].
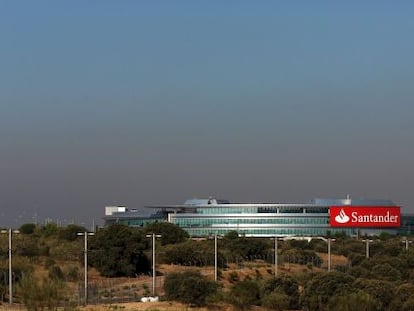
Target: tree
[403,293]
[171,233]
[385,272]
[189,287]
[27,228]
[245,294]
[70,232]
[189,253]
[319,290]
[277,300]
[283,284]
[118,250]
[359,300]
[246,247]
[383,291]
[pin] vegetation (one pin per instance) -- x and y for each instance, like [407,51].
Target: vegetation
[189,287]
[118,250]
[48,269]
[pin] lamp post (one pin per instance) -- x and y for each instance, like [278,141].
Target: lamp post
[10,232]
[367,241]
[85,234]
[276,238]
[329,254]
[153,259]
[215,257]
[406,241]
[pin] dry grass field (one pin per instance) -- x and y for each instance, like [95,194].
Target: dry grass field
[252,269]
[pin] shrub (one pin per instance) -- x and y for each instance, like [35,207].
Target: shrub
[234,277]
[245,294]
[189,287]
[277,300]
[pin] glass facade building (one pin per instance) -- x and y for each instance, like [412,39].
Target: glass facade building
[205,217]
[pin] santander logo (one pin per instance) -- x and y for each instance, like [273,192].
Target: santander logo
[342,218]
[365,216]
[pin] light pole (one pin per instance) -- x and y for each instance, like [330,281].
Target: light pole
[329,253]
[85,234]
[10,232]
[407,242]
[276,254]
[215,257]
[153,259]
[367,241]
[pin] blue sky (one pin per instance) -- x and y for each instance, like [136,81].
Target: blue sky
[147,102]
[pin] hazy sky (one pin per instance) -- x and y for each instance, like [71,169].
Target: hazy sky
[149,102]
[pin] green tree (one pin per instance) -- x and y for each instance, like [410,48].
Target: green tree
[242,247]
[245,294]
[277,300]
[27,228]
[70,232]
[171,233]
[191,253]
[359,300]
[403,293]
[385,272]
[189,287]
[283,284]
[383,291]
[118,250]
[319,290]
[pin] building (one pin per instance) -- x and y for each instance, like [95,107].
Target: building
[320,217]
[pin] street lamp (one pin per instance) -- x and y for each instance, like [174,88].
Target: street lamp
[153,259]
[406,241]
[367,241]
[215,257]
[10,232]
[276,254]
[85,234]
[329,253]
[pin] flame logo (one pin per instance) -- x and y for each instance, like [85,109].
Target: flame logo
[342,218]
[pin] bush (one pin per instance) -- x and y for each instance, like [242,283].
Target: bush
[41,294]
[283,284]
[55,272]
[354,301]
[27,228]
[245,294]
[118,250]
[189,287]
[277,300]
[72,273]
[234,277]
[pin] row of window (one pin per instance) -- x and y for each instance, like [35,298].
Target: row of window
[203,222]
[271,232]
[253,210]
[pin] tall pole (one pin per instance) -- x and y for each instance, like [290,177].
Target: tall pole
[153,265]
[85,259]
[329,254]
[367,248]
[10,268]
[153,259]
[276,256]
[215,257]
[10,232]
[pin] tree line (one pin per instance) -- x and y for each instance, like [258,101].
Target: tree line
[384,281]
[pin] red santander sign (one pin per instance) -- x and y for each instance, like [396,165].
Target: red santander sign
[364,216]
